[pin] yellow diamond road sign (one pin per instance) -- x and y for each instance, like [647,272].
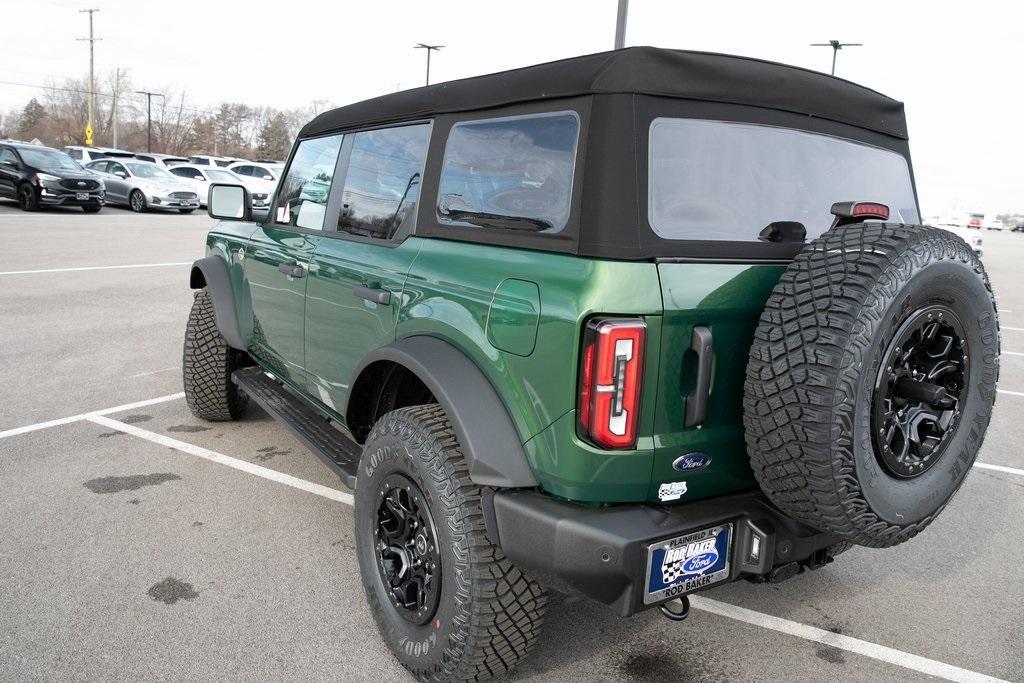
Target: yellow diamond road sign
[88,135]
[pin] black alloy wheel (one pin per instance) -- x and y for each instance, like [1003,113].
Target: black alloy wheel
[27,198]
[920,387]
[406,549]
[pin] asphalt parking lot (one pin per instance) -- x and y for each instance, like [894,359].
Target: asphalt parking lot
[137,542]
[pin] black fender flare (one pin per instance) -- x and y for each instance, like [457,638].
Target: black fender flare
[212,272]
[489,440]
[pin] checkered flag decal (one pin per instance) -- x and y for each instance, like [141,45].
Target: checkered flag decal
[672,570]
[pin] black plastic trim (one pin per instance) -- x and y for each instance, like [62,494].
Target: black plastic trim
[489,440]
[211,272]
[600,552]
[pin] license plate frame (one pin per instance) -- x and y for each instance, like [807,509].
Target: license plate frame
[81,196]
[699,559]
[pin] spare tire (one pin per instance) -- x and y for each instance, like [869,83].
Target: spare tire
[871,380]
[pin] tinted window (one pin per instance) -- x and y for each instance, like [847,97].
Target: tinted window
[302,201]
[513,173]
[74,154]
[258,172]
[143,157]
[243,170]
[713,180]
[7,154]
[187,172]
[382,183]
[200,162]
[224,162]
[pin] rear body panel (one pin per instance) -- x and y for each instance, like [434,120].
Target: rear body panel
[727,299]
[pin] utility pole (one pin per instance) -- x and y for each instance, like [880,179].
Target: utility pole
[149,116]
[429,49]
[620,24]
[113,110]
[836,47]
[92,76]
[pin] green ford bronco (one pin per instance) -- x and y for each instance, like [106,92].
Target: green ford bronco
[632,325]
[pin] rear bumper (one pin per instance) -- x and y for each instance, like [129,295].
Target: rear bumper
[602,552]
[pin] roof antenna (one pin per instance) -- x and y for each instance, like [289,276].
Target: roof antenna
[836,47]
[620,24]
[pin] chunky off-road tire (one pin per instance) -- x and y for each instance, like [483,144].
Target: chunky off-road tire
[488,613]
[207,365]
[822,350]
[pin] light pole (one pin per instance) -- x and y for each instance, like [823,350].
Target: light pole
[92,77]
[149,116]
[620,24]
[429,49]
[836,47]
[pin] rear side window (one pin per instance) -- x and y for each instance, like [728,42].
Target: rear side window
[302,202]
[511,173]
[383,180]
[243,170]
[717,180]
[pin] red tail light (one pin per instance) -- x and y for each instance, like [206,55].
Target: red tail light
[611,375]
[871,210]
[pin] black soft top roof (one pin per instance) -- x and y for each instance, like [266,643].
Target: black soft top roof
[638,70]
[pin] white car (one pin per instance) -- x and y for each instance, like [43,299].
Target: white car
[84,155]
[162,160]
[972,237]
[256,169]
[215,162]
[200,178]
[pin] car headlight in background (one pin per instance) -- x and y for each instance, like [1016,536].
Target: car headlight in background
[46,178]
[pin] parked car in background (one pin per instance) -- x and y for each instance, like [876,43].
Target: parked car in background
[975,220]
[972,237]
[993,223]
[164,160]
[255,169]
[141,185]
[1019,227]
[84,155]
[40,176]
[208,160]
[200,178]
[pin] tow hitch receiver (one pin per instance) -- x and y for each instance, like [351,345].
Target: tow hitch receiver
[676,609]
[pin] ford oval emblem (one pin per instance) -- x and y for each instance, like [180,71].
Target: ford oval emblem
[691,462]
[699,563]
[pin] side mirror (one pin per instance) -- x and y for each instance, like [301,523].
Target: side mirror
[121,174]
[229,202]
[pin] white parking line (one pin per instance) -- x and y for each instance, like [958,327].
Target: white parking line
[1012,329]
[154,372]
[72,270]
[1010,393]
[85,416]
[882,653]
[227,460]
[1000,468]
[1012,353]
[861,647]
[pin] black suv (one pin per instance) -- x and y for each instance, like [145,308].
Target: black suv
[39,176]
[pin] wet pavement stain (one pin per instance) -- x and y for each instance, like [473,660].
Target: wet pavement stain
[170,590]
[135,419]
[134,501]
[268,453]
[830,654]
[188,429]
[650,667]
[197,523]
[107,435]
[132,482]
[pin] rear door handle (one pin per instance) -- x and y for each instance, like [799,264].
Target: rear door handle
[375,294]
[702,343]
[295,270]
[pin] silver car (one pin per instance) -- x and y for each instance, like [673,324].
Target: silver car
[141,185]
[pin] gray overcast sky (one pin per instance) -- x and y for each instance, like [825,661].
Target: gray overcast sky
[956,66]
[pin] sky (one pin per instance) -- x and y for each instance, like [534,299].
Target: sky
[956,66]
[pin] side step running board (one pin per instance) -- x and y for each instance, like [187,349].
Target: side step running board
[336,449]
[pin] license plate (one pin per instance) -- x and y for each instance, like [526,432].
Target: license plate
[81,195]
[687,563]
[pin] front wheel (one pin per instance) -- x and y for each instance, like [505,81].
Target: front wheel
[446,600]
[207,364]
[137,201]
[27,199]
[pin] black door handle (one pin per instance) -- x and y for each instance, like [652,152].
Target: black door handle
[292,270]
[374,294]
[702,343]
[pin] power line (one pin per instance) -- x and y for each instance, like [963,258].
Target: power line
[58,88]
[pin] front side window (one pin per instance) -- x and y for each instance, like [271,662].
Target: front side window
[117,169]
[718,180]
[261,173]
[510,173]
[382,183]
[302,202]
[7,155]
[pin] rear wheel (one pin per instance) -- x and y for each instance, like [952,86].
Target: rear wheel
[871,380]
[27,199]
[207,364]
[446,600]
[137,201]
